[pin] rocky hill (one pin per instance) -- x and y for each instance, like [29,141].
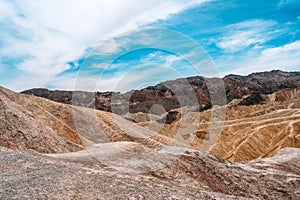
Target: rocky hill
[73,152]
[27,124]
[33,123]
[164,93]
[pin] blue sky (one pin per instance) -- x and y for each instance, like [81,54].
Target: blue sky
[96,45]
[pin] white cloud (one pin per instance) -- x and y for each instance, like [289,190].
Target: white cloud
[239,36]
[58,31]
[144,75]
[283,57]
[5,9]
[171,59]
[240,40]
[111,46]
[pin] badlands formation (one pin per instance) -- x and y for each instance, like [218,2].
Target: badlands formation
[52,150]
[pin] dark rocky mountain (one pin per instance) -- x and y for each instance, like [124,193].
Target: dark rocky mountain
[252,86]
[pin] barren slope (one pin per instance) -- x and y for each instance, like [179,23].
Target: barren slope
[30,122]
[20,128]
[261,130]
[249,132]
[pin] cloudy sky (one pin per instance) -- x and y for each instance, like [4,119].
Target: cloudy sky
[107,45]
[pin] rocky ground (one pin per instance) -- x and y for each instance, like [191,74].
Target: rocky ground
[195,175]
[25,176]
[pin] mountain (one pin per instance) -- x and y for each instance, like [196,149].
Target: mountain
[67,151]
[235,87]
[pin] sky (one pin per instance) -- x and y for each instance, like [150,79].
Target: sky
[129,44]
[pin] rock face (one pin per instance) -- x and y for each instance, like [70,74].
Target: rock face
[252,99]
[172,116]
[142,100]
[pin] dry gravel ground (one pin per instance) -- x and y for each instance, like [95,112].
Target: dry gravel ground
[25,176]
[196,175]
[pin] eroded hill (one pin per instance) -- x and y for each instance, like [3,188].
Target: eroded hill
[248,132]
[29,122]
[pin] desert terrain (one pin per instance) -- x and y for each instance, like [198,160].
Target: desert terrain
[53,150]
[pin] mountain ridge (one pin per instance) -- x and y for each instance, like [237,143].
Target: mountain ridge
[235,86]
